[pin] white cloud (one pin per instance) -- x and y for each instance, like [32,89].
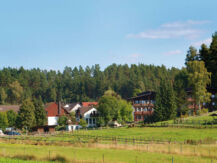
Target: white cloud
[167,34]
[173,52]
[172,30]
[181,24]
[206,41]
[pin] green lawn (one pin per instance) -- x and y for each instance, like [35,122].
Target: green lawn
[85,154]
[9,160]
[162,133]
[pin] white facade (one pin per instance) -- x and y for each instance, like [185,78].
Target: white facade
[91,121]
[73,127]
[52,121]
[76,107]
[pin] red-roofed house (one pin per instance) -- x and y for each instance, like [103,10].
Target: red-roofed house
[54,111]
[89,104]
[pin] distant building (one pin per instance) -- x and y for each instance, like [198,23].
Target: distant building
[54,111]
[84,110]
[4,108]
[143,105]
[72,107]
[89,114]
[191,103]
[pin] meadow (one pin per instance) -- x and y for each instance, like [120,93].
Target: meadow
[71,147]
[100,154]
[155,133]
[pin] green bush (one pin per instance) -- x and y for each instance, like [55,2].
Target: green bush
[203,111]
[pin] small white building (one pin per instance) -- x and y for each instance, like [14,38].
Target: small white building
[89,114]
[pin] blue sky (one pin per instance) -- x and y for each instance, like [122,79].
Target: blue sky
[52,34]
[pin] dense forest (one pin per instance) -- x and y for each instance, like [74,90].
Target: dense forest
[76,84]
[80,84]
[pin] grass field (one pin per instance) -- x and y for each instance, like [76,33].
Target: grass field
[147,133]
[99,154]
[9,160]
[202,119]
[64,147]
[162,133]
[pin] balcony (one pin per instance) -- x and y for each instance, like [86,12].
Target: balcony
[143,112]
[139,105]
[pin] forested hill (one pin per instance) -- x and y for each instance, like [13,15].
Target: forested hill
[80,84]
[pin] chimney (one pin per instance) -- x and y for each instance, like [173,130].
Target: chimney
[59,108]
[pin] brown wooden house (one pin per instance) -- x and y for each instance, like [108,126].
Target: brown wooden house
[143,105]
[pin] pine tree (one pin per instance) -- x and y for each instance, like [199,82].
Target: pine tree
[213,60]
[26,116]
[165,107]
[191,55]
[12,116]
[40,113]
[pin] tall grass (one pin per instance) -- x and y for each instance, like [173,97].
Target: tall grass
[94,152]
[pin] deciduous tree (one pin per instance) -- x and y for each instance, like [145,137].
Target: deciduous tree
[199,78]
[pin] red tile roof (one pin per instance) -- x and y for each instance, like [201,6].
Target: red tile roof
[87,104]
[52,110]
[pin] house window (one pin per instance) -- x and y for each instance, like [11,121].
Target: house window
[90,121]
[138,116]
[87,120]
[94,121]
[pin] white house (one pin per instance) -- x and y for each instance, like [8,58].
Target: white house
[72,107]
[89,114]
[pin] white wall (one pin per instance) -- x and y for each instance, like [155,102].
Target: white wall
[76,107]
[52,121]
[87,116]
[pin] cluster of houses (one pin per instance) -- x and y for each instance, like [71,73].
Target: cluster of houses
[143,106]
[54,110]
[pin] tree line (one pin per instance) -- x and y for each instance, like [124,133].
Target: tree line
[80,84]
